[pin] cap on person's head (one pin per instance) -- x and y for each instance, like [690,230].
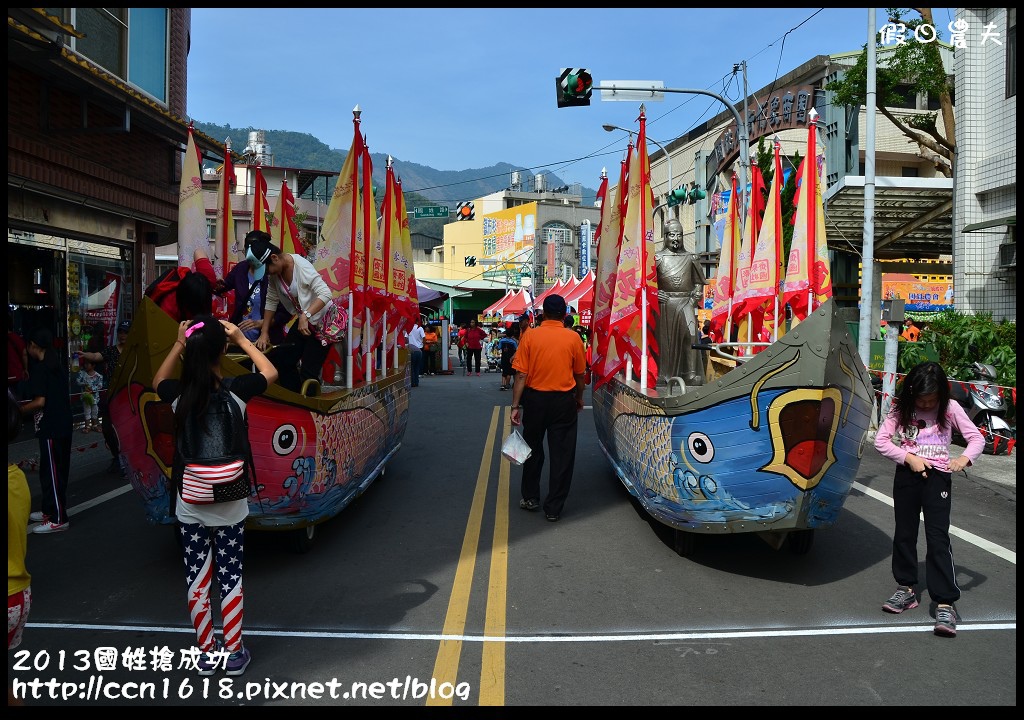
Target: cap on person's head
[260,250]
[43,338]
[554,306]
[124,327]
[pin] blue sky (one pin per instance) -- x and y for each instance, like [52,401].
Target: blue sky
[481,89]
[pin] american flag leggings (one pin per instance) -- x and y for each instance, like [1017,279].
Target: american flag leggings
[200,545]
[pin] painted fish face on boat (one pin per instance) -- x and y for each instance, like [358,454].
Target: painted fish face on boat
[284,443]
[758,458]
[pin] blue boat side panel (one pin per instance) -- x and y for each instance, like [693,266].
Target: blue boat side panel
[774,444]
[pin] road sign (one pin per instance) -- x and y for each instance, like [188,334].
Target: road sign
[643,90]
[431,211]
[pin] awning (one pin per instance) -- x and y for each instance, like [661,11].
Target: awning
[913,216]
[429,296]
[444,287]
[1009,221]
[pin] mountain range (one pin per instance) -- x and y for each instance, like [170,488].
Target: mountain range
[422,184]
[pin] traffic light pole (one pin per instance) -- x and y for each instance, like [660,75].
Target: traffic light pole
[741,127]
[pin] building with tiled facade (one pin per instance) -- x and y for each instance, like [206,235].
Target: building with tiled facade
[985,210]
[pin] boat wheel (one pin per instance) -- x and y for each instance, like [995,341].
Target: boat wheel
[684,543]
[301,540]
[800,541]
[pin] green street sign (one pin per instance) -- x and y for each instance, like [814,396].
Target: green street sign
[431,211]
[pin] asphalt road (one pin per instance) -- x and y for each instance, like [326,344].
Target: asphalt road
[436,576]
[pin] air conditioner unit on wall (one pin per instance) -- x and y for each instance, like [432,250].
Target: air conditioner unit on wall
[1008,255]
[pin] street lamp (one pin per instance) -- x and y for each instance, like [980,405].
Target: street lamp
[613,128]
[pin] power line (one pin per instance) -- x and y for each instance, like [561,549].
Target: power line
[727,80]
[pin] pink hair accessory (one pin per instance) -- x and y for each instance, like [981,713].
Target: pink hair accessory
[192,329]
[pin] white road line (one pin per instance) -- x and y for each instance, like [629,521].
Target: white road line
[609,638]
[997,550]
[99,499]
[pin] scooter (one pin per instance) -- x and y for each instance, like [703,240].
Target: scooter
[985,407]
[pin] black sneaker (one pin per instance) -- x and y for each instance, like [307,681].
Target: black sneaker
[945,621]
[531,505]
[903,599]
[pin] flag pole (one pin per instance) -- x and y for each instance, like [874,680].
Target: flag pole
[351,329]
[643,254]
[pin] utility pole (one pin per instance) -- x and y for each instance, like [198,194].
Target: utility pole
[746,133]
[868,310]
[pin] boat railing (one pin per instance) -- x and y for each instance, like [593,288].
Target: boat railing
[726,349]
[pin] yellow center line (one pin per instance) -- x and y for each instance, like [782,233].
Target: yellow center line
[492,670]
[446,665]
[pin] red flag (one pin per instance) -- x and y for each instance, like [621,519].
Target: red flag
[378,262]
[748,317]
[193,233]
[284,231]
[225,230]
[337,258]
[636,284]
[808,271]
[260,205]
[401,286]
[725,277]
[607,359]
[762,287]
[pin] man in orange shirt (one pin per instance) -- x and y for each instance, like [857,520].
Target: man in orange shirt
[546,400]
[911,331]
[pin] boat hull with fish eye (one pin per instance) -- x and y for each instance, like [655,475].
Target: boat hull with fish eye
[313,455]
[772,446]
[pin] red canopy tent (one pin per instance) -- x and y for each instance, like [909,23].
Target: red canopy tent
[500,303]
[517,304]
[557,288]
[581,297]
[582,293]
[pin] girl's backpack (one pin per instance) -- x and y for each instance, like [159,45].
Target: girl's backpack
[212,460]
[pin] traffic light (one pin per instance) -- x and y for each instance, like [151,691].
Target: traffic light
[696,194]
[471,261]
[573,87]
[464,210]
[677,196]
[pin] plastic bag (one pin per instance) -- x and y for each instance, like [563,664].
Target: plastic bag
[515,448]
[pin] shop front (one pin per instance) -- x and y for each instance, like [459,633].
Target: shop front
[78,289]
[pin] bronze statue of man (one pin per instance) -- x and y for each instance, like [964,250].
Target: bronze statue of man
[680,288]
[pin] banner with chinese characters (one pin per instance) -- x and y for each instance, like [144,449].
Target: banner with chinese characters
[920,296]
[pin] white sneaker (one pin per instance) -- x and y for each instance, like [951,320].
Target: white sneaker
[36,516]
[50,527]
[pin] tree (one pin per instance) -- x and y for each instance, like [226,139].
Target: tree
[919,65]
[764,158]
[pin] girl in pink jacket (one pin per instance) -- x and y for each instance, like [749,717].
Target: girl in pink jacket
[916,435]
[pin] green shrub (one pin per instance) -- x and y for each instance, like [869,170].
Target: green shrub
[962,339]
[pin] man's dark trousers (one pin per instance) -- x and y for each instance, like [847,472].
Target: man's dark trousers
[554,414]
